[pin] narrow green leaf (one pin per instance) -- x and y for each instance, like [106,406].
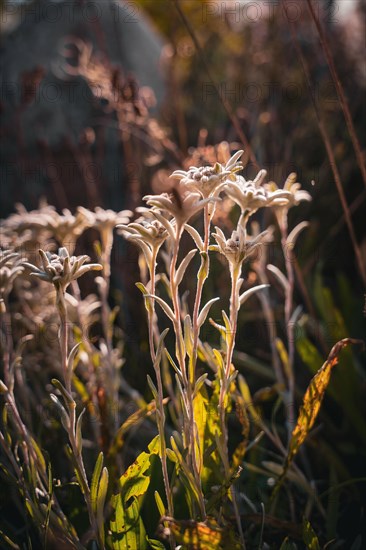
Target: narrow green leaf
[204,267]
[102,493]
[71,357]
[309,537]
[79,440]
[153,388]
[95,481]
[145,292]
[65,420]
[188,335]
[159,503]
[8,541]
[65,394]
[160,347]
[155,544]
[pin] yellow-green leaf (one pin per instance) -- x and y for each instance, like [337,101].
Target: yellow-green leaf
[311,404]
[313,398]
[95,481]
[102,493]
[203,536]
[127,529]
[309,537]
[135,481]
[282,352]
[200,404]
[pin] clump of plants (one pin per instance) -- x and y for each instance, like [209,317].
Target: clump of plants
[189,486]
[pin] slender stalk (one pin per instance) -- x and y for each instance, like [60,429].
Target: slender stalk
[161,414]
[67,374]
[176,307]
[107,243]
[189,430]
[200,284]
[234,309]
[289,328]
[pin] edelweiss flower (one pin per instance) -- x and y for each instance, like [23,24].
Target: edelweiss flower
[251,195]
[295,196]
[60,269]
[208,180]
[291,186]
[102,218]
[9,269]
[237,248]
[182,206]
[147,232]
[65,227]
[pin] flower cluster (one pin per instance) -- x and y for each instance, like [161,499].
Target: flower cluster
[201,187]
[104,219]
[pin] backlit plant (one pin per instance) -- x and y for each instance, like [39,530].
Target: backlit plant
[201,493]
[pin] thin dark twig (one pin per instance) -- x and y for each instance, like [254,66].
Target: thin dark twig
[331,156]
[233,118]
[340,91]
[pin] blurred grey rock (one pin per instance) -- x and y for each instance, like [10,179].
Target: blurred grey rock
[48,114]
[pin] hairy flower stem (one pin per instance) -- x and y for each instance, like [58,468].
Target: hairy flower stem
[202,276]
[160,405]
[190,431]
[107,243]
[67,374]
[289,329]
[224,389]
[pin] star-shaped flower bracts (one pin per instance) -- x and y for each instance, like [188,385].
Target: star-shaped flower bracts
[147,232]
[180,204]
[60,269]
[10,268]
[295,196]
[237,248]
[208,180]
[252,195]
